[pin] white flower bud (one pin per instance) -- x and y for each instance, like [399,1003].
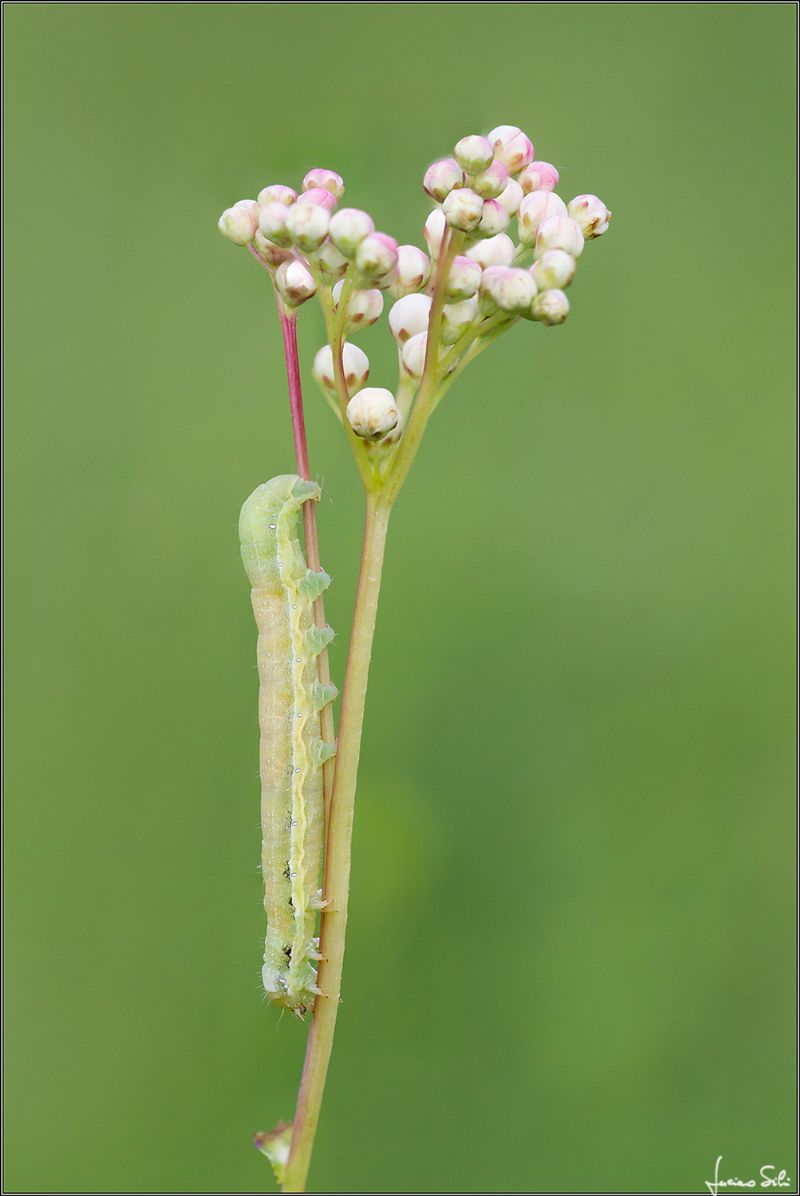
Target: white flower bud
[504,289]
[319,195]
[535,208]
[272,254]
[354,362]
[554,270]
[240,222]
[494,251]
[492,182]
[434,231]
[376,256]
[413,355]
[409,316]
[277,193]
[456,319]
[511,197]
[329,262]
[474,154]
[539,176]
[363,307]
[463,209]
[328,180]
[412,271]
[559,232]
[494,219]
[590,214]
[348,228]
[464,278]
[372,412]
[441,177]
[295,282]
[272,223]
[511,147]
[307,225]
[551,307]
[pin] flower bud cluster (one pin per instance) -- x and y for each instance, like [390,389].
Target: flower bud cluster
[500,204]
[306,239]
[487,183]
[478,187]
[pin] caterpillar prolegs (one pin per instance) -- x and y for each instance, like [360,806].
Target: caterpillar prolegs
[292,752]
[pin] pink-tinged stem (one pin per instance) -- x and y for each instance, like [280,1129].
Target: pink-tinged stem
[289,333]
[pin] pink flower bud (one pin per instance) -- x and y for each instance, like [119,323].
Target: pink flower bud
[511,147]
[412,271]
[538,176]
[494,251]
[504,289]
[328,180]
[294,282]
[372,412]
[474,154]
[559,232]
[354,362]
[590,214]
[329,262]
[463,209]
[348,228]
[376,256]
[535,208]
[240,222]
[491,183]
[441,177]
[307,225]
[457,318]
[554,270]
[413,355]
[464,279]
[511,197]
[272,254]
[319,195]
[409,316]
[434,231]
[363,308]
[277,193]
[494,219]
[551,307]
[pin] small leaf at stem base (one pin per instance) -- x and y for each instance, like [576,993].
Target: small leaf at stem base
[275,1145]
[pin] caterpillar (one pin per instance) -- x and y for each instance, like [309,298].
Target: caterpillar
[291,750]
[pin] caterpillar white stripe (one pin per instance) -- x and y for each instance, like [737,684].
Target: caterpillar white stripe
[292,752]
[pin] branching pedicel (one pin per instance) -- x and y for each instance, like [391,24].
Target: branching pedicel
[449,306]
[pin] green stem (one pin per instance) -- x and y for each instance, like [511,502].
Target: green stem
[425,400]
[338,846]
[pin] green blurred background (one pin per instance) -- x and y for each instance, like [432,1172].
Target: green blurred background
[570,956]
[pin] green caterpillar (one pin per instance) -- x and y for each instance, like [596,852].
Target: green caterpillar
[292,752]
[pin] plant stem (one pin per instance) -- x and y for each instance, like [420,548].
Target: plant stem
[338,845]
[425,400]
[289,333]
